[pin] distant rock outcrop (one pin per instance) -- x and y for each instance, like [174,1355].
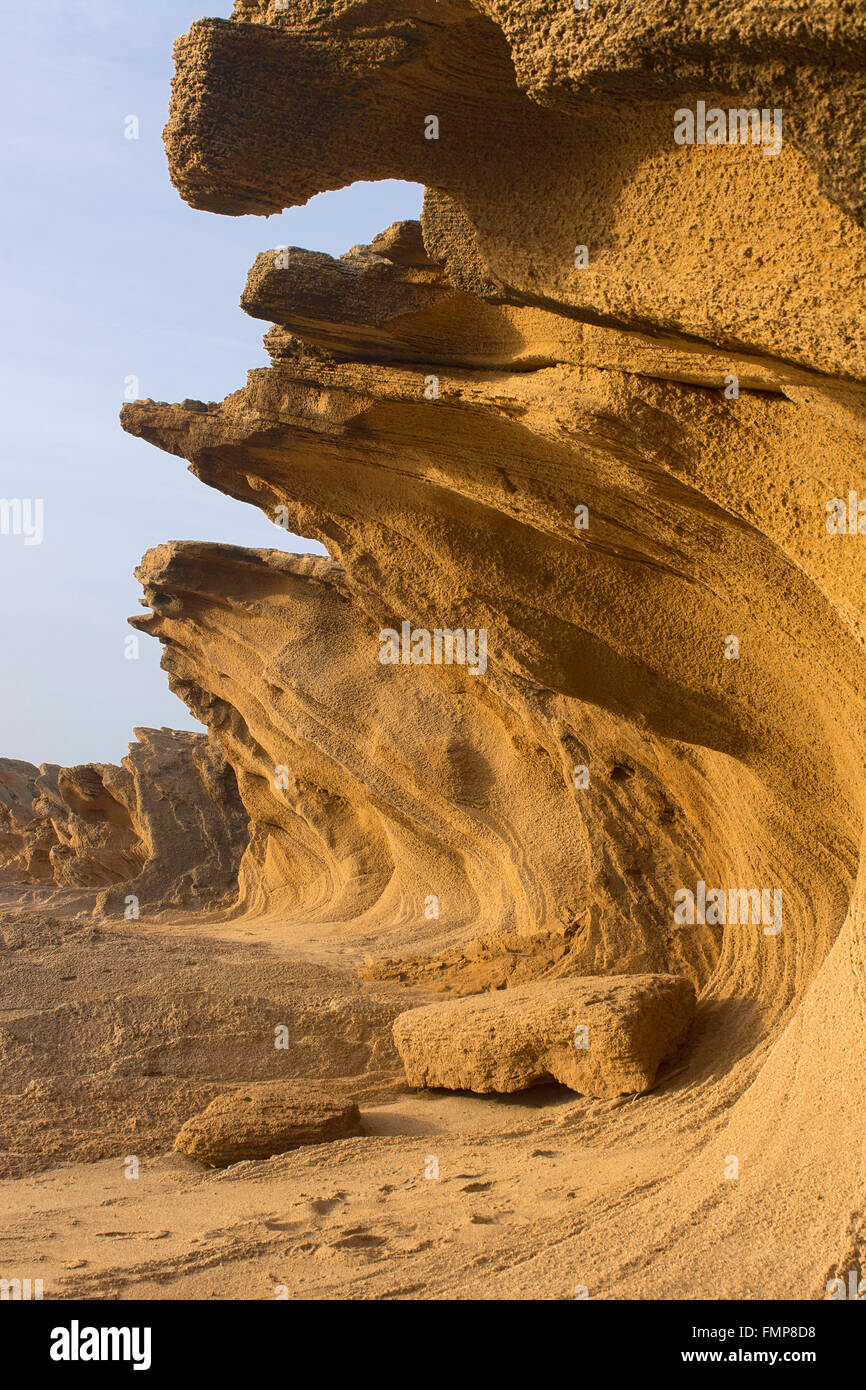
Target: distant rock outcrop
[25,846]
[86,811]
[165,828]
[183,801]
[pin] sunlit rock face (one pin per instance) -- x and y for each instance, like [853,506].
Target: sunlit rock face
[616,535]
[164,829]
[556,129]
[24,846]
[391,796]
[605,404]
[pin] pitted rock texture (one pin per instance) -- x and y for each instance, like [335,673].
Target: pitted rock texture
[256,1122]
[604,1036]
[556,129]
[596,405]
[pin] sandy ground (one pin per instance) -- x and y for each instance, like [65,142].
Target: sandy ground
[446,1195]
[540,1195]
[357,1219]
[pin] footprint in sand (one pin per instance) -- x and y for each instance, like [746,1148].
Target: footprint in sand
[359,1239]
[323,1205]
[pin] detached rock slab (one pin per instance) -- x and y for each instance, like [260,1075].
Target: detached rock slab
[600,1035]
[258,1121]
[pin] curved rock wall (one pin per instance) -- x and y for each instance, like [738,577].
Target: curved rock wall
[606,405]
[394,797]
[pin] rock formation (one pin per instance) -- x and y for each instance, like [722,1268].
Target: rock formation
[182,798]
[85,811]
[604,1036]
[579,690]
[601,405]
[24,846]
[388,797]
[166,826]
[257,1122]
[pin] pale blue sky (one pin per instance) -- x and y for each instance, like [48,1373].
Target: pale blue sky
[106,273]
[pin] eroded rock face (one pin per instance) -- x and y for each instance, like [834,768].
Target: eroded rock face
[166,826]
[184,803]
[87,810]
[572,509]
[257,1122]
[556,129]
[598,406]
[604,1036]
[488,436]
[24,846]
[388,797]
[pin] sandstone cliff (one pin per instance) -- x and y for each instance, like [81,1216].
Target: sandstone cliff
[597,406]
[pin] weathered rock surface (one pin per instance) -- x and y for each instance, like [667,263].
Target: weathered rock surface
[555,389]
[606,643]
[556,129]
[87,812]
[390,798]
[24,845]
[602,1036]
[166,826]
[617,465]
[183,800]
[259,1121]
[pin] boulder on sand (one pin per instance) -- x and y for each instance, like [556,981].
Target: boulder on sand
[258,1121]
[601,1035]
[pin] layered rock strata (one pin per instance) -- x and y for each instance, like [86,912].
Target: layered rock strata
[606,406]
[392,797]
